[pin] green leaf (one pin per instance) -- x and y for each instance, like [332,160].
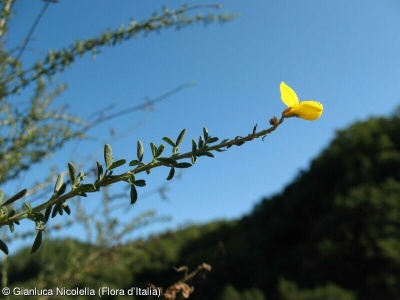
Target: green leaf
[87,188]
[133,163]
[37,242]
[209,154]
[205,133]
[62,189]
[28,206]
[194,147]
[11,212]
[108,156]
[72,173]
[99,171]
[201,142]
[153,149]
[180,137]
[1,196]
[224,141]
[134,194]
[66,208]
[212,140]
[167,160]
[47,214]
[171,173]
[140,182]
[140,151]
[59,209]
[159,151]
[14,198]
[169,141]
[80,178]
[11,226]
[55,211]
[59,183]
[183,165]
[3,247]
[117,164]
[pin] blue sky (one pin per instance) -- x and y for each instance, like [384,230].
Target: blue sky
[343,54]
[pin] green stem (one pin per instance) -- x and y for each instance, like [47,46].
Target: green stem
[125,176]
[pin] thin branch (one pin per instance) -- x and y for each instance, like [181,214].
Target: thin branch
[148,104]
[106,181]
[32,29]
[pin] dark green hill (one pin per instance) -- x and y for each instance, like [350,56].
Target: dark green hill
[338,222]
[336,227]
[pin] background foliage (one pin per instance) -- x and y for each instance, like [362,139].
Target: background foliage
[333,233]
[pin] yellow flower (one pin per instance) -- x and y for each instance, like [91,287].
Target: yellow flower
[308,110]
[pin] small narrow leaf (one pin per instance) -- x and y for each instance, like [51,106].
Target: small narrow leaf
[180,137]
[62,189]
[72,173]
[11,226]
[167,160]
[11,213]
[140,182]
[201,142]
[47,214]
[99,171]
[255,129]
[134,194]
[205,133]
[59,209]
[108,156]
[153,149]
[183,165]
[212,140]
[59,183]
[3,247]
[171,173]
[17,196]
[194,147]
[117,164]
[133,163]
[209,154]
[28,206]
[37,242]
[169,141]
[66,208]
[88,188]
[55,211]
[140,151]
[159,151]
[80,178]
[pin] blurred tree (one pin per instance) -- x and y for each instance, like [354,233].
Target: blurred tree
[31,131]
[289,291]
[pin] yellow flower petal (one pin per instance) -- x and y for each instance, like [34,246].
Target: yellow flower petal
[288,96]
[308,110]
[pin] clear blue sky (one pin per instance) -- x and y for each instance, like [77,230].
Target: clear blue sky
[345,54]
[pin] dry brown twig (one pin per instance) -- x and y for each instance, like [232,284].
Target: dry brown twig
[180,289]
